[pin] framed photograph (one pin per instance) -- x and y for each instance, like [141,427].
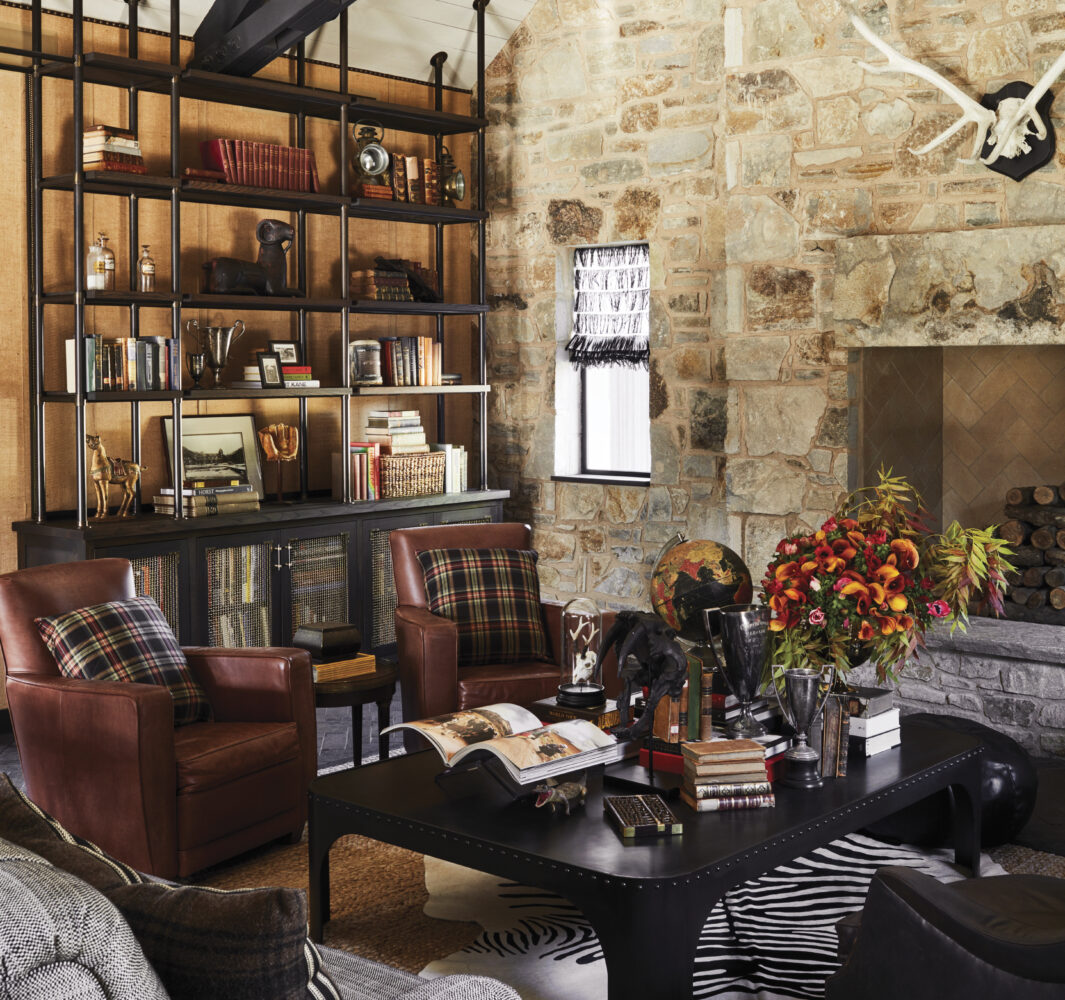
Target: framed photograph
[270,371]
[217,450]
[287,350]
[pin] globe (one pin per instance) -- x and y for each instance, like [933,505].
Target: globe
[692,575]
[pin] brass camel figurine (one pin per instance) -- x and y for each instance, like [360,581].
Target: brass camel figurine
[107,472]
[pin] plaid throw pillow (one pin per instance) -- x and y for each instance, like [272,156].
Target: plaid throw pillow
[493,597]
[125,641]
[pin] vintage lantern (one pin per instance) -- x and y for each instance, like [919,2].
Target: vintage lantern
[452,180]
[370,159]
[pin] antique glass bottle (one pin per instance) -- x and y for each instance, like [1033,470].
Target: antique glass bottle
[94,267]
[109,264]
[145,271]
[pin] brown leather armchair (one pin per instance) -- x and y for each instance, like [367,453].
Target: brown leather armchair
[432,681]
[105,759]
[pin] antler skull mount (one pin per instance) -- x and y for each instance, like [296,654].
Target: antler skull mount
[1012,132]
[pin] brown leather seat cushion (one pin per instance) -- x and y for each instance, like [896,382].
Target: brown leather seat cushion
[210,754]
[521,683]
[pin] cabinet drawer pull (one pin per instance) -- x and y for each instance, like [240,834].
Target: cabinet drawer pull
[277,557]
[288,546]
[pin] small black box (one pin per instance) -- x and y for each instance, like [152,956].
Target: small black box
[328,639]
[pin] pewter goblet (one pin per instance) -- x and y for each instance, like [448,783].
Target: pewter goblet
[744,642]
[804,700]
[197,363]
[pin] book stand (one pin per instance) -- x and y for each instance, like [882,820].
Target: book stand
[486,779]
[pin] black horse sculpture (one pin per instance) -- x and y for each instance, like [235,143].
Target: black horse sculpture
[661,666]
[268,276]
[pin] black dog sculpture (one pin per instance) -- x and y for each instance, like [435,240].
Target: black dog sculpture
[661,666]
[269,276]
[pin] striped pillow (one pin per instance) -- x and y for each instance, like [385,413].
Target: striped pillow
[125,641]
[493,597]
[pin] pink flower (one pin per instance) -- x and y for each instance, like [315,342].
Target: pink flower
[939,609]
[816,617]
[878,537]
[830,525]
[840,584]
[846,623]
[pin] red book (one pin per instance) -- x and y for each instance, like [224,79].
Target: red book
[296,369]
[305,160]
[672,763]
[275,170]
[229,156]
[238,160]
[256,161]
[211,154]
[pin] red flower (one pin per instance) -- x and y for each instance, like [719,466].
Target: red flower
[830,525]
[926,583]
[816,617]
[939,609]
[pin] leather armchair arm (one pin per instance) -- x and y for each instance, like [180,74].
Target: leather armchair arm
[428,647]
[99,756]
[267,684]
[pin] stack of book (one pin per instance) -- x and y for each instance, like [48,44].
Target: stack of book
[416,180]
[726,774]
[206,501]
[411,361]
[334,649]
[294,376]
[455,466]
[399,432]
[261,164]
[125,364]
[380,285]
[104,147]
[874,721]
[365,458]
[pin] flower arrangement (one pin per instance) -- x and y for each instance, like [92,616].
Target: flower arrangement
[873,578]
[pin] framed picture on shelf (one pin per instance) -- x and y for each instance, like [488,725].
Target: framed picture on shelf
[217,450]
[287,350]
[270,371]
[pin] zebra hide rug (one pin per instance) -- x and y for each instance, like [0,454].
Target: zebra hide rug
[773,938]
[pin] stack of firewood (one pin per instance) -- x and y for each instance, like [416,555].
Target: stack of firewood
[1036,534]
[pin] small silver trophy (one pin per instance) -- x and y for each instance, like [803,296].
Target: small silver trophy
[803,700]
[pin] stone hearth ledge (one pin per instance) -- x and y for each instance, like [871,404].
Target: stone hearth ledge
[982,287]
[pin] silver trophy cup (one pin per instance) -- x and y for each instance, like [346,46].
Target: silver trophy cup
[744,643]
[803,700]
[215,342]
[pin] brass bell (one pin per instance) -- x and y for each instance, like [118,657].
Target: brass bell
[370,159]
[452,180]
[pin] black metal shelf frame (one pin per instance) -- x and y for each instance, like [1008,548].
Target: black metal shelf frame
[135,75]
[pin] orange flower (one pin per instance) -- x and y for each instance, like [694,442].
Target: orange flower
[866,631]
[906,551]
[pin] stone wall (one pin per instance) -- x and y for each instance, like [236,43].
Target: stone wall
[742,141]
[1005,674]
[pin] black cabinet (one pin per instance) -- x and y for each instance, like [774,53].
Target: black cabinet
[252,580]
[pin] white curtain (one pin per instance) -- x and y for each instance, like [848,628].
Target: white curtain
[610,306]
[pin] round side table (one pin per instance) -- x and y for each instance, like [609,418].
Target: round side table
[354,692]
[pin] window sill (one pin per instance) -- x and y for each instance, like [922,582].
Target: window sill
[605,480]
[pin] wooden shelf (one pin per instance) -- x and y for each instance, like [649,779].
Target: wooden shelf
[116,71]
[277,303]
[115,397]
[417,308]
[404,211]
[115,182]
[97,298]
[245,196]
[423,121]
[227,393]
[266,95]
[418,390]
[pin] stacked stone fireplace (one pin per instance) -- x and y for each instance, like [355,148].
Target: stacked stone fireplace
[960,377]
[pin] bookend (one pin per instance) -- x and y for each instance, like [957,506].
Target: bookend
[485,779]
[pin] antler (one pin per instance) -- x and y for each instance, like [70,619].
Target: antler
[972,111]
[1003,140]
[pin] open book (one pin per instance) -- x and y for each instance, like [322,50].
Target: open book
[529,750]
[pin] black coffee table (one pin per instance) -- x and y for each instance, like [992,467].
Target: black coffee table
[647,901]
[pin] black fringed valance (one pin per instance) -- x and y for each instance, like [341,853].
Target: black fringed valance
[611,306]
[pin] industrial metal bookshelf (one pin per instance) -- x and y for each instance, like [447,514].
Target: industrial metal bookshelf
[312,560]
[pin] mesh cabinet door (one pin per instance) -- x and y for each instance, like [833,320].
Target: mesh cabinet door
[240,600]
[158,577]
[318,579]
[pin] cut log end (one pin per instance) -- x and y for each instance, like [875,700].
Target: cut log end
[1045,495]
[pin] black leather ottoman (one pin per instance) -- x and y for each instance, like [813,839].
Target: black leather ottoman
[1008,792]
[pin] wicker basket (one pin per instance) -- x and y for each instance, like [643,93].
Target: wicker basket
[412,475]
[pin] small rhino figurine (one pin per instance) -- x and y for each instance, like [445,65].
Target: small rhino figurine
[567,795]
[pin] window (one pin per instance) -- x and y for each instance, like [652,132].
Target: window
[603,427]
